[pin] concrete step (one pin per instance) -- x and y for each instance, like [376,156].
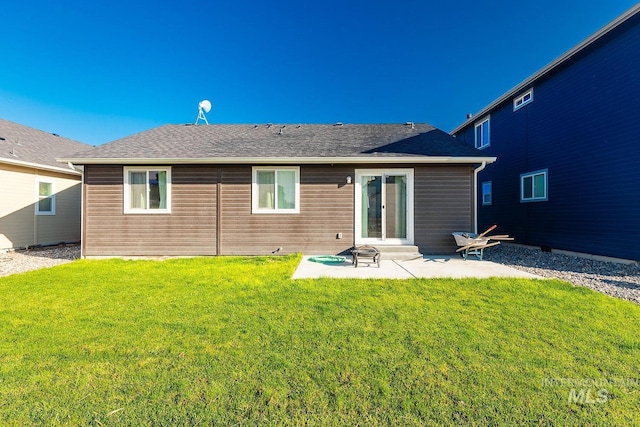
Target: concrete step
[398,252]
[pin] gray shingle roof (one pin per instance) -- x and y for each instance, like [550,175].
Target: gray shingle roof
[211,142]
[23,144]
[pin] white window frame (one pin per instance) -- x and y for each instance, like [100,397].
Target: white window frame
[482,144]
[127,190]
[519,101]
[532,175]
[490,193]
[255,207]
[52,197]
[359,173]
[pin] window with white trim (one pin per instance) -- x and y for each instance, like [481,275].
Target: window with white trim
[486,193]
[533,186]
[523,99]
[482,137]
[275,190]
[147,190]
[46,204]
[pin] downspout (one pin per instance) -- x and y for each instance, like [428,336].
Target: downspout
[218,211]
[35,209]
[82,213]
[475,194]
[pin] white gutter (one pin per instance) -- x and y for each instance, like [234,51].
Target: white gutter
[475,195]
[40,166]
[278,160]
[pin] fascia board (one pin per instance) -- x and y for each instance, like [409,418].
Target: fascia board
[277,160]
[529,81]
[40,166]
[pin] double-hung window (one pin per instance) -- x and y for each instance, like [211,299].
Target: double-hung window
[275,190]
[482,137]
[533,186]
[486,193]
[46,204]
[147,190]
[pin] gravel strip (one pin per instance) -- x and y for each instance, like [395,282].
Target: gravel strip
[611,278]
[614,279]
[34,259]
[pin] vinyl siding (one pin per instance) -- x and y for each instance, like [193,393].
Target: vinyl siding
[443,204]
[442,200]
[326,209]
[188,230]
[583,128]
[20,226]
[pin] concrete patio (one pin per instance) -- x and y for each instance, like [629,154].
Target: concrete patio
[426,267]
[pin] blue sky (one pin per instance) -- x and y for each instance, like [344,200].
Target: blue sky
[96,71]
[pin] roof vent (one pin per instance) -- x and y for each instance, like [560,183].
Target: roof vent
[413,125]
[469,115]
[281,127]
[269,125]
[13,152]
[2,138]
[55,134]
[339,124]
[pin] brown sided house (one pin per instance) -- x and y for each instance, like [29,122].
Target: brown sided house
[250,189]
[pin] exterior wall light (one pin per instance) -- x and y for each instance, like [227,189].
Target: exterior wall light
[349,179]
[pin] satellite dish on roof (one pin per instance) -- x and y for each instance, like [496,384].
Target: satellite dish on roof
[204,106]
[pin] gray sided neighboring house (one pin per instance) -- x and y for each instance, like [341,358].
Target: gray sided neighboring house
[250,189]
[39,197]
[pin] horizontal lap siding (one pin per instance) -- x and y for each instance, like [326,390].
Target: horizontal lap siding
[64,226]
[190,229]
[326,209]
[443,204]
[17,210]
[19,225]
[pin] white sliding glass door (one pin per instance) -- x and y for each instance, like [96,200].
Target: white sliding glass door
[384,206]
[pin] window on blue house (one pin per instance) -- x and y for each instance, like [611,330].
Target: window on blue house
[523,99]
[533,186]
[486,193]
[482,133]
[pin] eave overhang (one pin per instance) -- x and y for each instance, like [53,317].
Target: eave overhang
[40,166]
[279,160]
[531,80]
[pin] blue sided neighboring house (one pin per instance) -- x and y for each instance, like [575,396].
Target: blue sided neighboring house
[567,141]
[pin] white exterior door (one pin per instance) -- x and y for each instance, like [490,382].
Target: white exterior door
[384,206]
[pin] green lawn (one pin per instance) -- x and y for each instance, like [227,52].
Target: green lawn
[235,341]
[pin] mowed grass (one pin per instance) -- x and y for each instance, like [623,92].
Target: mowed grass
[235,341]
